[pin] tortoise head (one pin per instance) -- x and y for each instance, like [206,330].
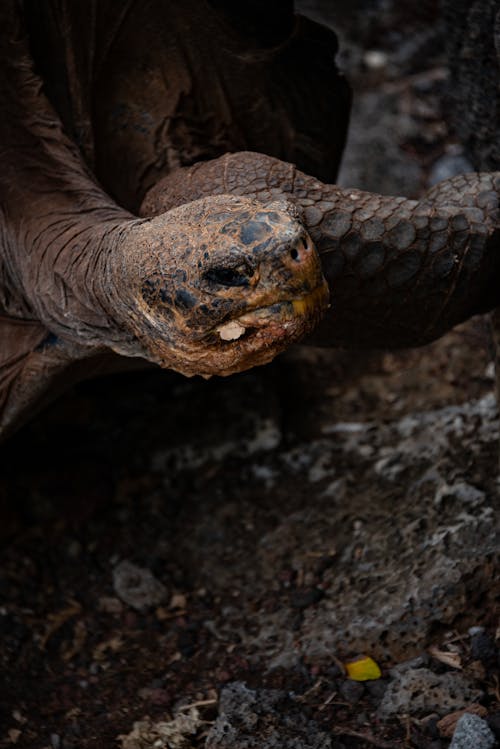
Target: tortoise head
[222,284]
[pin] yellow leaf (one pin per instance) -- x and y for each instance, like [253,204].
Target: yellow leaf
[363,669]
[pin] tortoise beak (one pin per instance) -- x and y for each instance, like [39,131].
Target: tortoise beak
[303,311]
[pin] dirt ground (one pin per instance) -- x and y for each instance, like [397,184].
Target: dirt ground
[165,539]
[195,482]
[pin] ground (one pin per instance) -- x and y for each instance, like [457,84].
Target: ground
[212,554]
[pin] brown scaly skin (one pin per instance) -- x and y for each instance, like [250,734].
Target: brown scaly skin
[401,272]
[84,276]
[80,275]
[161,288]
[178,278]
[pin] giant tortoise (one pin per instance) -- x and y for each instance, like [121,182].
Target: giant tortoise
[167,193]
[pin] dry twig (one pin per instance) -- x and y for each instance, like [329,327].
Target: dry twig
[366,737]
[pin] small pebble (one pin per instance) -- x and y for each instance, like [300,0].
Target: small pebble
[352,691]
[375,59]
[477,630]
[376,688]
[472,731]
[334,671]
[137,587]
[483,648]
[110,605]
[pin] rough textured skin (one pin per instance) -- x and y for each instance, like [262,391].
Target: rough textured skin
[214,260]
[130,106]
[401,272]
[84,276]
[234,259]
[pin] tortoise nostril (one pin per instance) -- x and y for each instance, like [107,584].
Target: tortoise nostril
[299,250]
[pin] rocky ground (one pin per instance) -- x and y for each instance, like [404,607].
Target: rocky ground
[198,564]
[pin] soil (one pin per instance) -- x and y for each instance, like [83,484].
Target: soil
[255,510]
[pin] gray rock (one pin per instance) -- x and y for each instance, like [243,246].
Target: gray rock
[483,648]
[420,661]
[269,714]
[431,555]
[461,492]
[376,689]
[137,587]
[421,690]
[475,630]
[396,558]
[472,731]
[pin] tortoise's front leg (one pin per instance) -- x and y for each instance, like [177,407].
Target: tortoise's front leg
[401,272]
[213,287]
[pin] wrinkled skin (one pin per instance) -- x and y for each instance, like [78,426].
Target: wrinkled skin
[80,276]
[402,272]
[132,106]
[236,259]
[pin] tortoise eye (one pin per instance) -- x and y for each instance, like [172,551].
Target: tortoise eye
[239,276]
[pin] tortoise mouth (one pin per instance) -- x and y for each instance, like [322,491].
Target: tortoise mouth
[252,338]
[297,312]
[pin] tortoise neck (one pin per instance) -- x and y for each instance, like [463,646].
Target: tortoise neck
[60,227]
[401,272]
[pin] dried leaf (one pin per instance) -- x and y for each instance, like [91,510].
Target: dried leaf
[113,644]
[446,726]
[57,619]
[446,657]
[79,638]
[172,734]
[363,669]
[178,601]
